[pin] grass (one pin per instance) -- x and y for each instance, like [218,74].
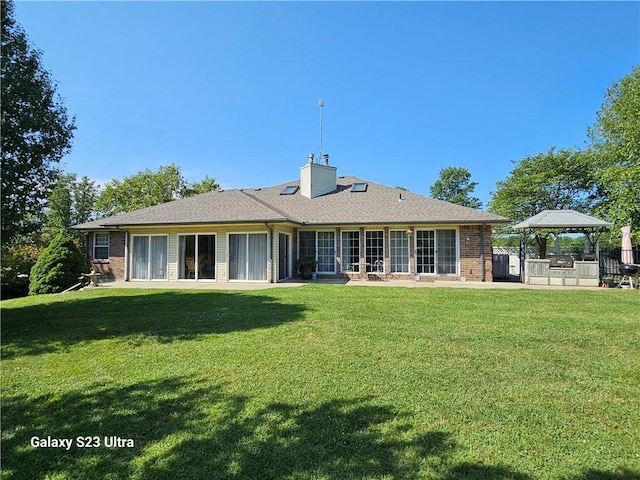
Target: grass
[324,382]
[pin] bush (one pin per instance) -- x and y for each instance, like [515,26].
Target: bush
[17,261]
[58,267]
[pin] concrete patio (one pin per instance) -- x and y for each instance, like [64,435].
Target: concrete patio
[200,285]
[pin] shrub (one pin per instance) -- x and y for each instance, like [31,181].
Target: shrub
[17,261]
[58,267]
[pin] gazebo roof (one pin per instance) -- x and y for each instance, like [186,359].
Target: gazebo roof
[561,219]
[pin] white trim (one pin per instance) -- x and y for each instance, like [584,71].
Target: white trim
[435,252]
[335,256]
[93,253]
[166,269]
[404,236]
[215,253]
[383,250]
[289,256]
[348,270]
[255,232]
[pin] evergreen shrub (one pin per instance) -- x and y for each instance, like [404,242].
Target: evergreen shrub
[58,267]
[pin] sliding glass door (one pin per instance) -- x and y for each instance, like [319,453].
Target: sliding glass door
[149,257]
[197,257]
[248,256]
[436,252]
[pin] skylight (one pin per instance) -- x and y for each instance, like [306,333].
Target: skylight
[359,187]
[289,190]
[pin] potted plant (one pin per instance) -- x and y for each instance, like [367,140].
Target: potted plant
[305,266]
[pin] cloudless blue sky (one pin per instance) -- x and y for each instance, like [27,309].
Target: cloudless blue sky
[230,89]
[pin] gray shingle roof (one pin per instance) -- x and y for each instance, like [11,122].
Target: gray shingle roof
[561,219]
[379,204]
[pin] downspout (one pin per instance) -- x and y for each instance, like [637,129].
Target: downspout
[483,269]
[126,255]
[270,252]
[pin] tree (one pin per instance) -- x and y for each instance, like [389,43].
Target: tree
[203,186]
[36,130]
[616,153]
[149,188]
[71,202]
[58,267]
[454,185]
[554,180]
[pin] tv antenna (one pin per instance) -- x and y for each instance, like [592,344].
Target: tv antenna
[320,105]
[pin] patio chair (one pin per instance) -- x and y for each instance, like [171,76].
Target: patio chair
[191,267]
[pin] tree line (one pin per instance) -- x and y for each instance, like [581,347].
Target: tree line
[40,200]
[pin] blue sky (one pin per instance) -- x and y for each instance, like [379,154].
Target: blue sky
[231,89]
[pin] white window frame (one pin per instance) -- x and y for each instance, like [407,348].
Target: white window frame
[96,245]
[197,254]
[315,249]
[371,267]
[166,267]
[228,239]
[435,253]
[403,235]
[350,267]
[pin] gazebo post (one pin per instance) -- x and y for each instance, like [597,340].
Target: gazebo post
[523,253]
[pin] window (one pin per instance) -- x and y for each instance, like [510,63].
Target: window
[149,257]
[247,256]
[350,251]
[321,246]
[197,257]
[359,187]
[101,246]
[399,251]
[326,252]
[446,251]
[374,250]
[436,252]
[289,190]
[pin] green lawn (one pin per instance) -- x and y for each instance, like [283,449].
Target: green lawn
[324,382]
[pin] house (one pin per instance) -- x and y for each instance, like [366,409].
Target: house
[352,227]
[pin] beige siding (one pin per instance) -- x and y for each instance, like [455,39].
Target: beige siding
[316,179]
[172,256]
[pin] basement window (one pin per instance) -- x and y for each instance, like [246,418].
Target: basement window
[290,190]
[359,187]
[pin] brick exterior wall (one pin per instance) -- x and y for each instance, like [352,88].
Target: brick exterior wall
[112,269]
[470,249]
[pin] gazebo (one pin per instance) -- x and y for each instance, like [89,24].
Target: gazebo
[562,269]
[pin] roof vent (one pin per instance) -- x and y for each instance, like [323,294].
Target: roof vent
[325,158]
[311,158]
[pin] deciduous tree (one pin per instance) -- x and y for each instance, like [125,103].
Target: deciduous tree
[454,185]
[616,153]
[554,180]
[149,188]
[71,202]
[36,130]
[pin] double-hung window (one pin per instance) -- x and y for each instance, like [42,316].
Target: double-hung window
[101,246]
